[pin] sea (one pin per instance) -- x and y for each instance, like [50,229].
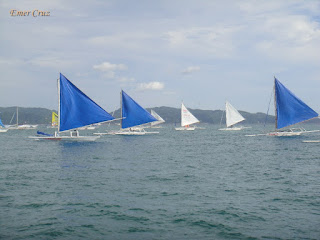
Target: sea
[202,184]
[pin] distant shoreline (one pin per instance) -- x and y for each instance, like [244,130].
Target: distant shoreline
[37,115]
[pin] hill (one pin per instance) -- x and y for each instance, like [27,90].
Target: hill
[26,115]
[172,115]
[169,114]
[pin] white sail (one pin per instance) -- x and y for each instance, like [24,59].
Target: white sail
[156,115]
[186,117]
[232,115]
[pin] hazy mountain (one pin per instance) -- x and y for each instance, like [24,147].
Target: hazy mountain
[169,114]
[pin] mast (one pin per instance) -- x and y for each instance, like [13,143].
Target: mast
[58,85]
[181,115]
[226,115]
[17,117]
[275,104]
[121,109]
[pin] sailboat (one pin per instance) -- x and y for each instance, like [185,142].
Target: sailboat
[2,127]
[20,127]
[289,110]
[186,120]
[54,120]
[133,118]
[159,120]
[232,117]
[75,110]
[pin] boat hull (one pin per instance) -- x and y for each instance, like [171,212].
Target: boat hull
[127,132]
[311,141]
[231,129]
[185,128]
[67,138]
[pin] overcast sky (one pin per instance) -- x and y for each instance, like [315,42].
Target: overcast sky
[201,52]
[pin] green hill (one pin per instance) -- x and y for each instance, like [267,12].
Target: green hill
[173,115]
[169,114]
[26,115]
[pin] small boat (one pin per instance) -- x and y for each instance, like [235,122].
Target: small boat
[54,120]
[20,127]
[187,119]
[133,118]
[75,110]
[232,117]
[2,127]
[289,110]
[159,120]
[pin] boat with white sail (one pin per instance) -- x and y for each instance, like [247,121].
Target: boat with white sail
[187,119]
[75,111]
[289,110]
[160,120]
[134,118]
[232,118]
[17,126]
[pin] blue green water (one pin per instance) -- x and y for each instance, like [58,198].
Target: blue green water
[206,184]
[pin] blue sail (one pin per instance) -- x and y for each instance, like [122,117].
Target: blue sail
[1,124]
[290,109]
[133,114]
[77,109]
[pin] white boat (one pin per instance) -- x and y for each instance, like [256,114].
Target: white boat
[20,127]
[133,118]
[159,120]
[232,118]
[311,141]
[289,110]
[187,119]
[75,110]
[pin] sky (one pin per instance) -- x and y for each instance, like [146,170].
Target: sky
[201,52]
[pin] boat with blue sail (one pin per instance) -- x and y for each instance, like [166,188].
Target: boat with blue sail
[76,110]
[2,127]
[134,118]
[289,110]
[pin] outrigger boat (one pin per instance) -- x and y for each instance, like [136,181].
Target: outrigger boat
[187,119]
[289,110]
[75,111]
[232,117]
[2,127]
[134,118]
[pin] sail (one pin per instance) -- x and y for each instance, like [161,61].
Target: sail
[159,119]
[54,121]
[76,109]
[1,124]
[186,117]
[232,115]
[132,113]
[289,108]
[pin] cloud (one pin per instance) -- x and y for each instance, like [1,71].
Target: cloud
[109,69]
[215,41]
[125,80]
[54,62]
[106,67]
[291,38]
[191,69]
[151,86]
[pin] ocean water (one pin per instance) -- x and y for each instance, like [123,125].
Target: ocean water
[206,184]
